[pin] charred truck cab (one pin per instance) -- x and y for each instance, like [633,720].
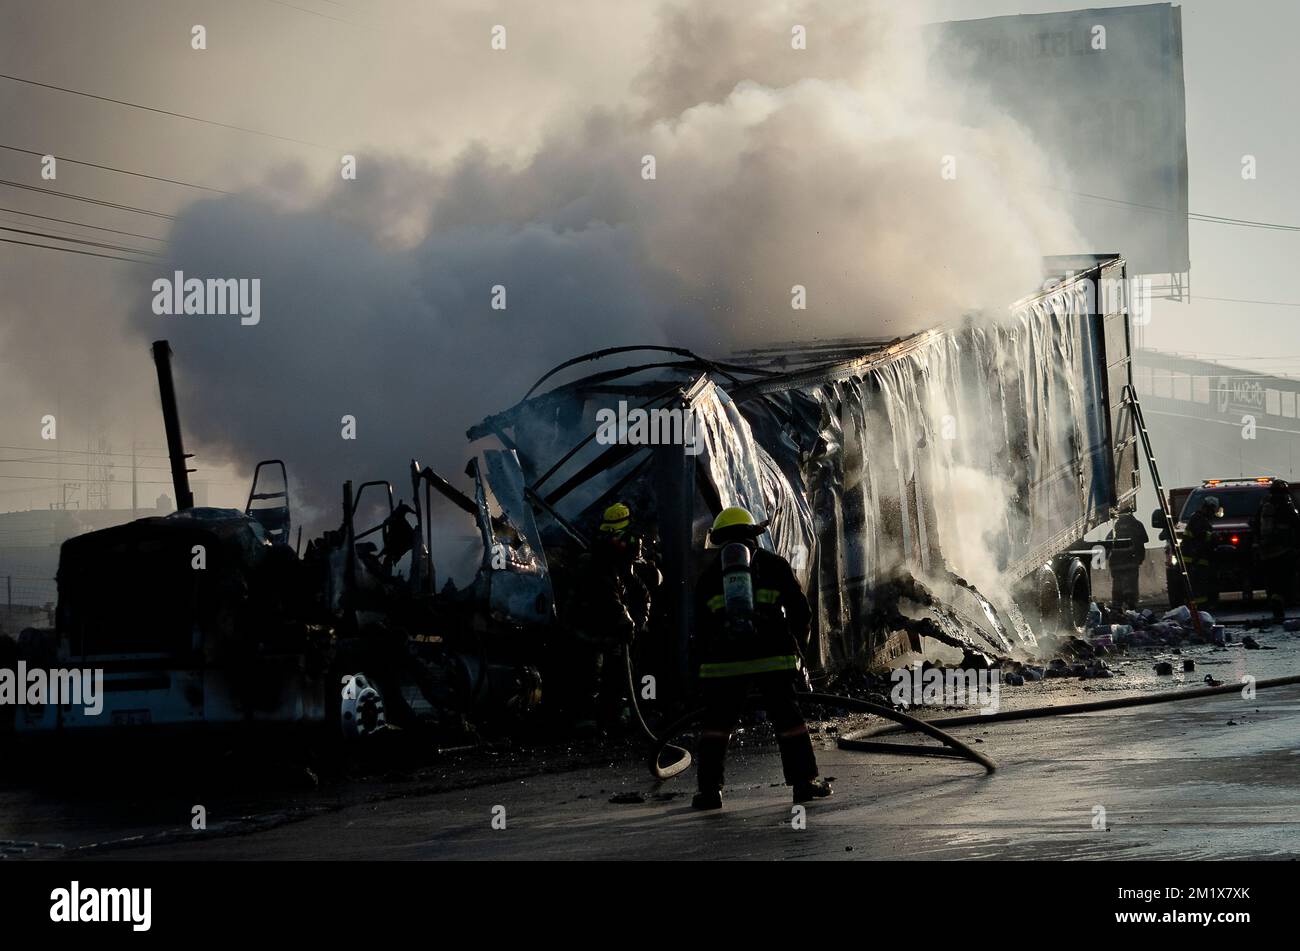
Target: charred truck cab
[194,618]
[209,618]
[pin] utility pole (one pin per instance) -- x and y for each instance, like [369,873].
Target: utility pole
[134,500]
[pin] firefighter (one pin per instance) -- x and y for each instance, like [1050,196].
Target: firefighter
[1197,546]
[750,615]
[610,605]
[1278,533]
[1126,559]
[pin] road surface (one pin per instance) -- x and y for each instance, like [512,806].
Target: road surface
[1211,778]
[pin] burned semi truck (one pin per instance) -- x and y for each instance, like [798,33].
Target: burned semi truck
[214,619]
[1005,440]
[886,470]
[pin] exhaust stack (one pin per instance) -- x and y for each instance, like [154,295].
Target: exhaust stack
[162,358]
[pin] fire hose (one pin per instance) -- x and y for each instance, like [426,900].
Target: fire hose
[661,744]
[861,740]
[683,760]
[864,740]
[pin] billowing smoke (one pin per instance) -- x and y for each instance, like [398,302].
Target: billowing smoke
[895,202]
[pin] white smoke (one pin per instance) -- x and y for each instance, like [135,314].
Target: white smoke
[821,167]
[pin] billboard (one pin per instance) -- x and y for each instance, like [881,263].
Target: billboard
[1102,93]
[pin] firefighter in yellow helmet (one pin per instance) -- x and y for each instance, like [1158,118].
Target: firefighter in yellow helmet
[750,616]
[610,606]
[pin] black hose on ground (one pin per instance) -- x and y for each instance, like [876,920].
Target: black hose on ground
[861,740]
[683,760]
[956,746]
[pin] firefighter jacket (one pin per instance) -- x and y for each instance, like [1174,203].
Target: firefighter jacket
[1278,527]
[1198,539]
[769,641]
[610,602]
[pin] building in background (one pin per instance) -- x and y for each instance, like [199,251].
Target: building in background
[29,555]
[1102,93]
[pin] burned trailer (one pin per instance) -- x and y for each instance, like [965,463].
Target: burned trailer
[866,457]
[989,449]
[640,433]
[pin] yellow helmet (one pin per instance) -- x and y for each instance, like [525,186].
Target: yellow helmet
[735,523]
[731,517]
[616,518]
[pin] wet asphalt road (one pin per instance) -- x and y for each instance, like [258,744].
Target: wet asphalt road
[1211,778]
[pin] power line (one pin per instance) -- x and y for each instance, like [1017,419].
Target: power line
[93,244]
[1238,300]
[91,254]
[1241,222]
[326,16]
[101,465]
[110,168]
[93,201]
[82,224]
[1191,215]
[40,478]
[89,452]
[165,112]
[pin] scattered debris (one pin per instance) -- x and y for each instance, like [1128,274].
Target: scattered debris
[1109,627]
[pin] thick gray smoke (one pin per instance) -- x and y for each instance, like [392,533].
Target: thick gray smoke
[821,167]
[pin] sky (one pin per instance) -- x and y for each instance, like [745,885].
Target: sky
[1238,69]
[474,162]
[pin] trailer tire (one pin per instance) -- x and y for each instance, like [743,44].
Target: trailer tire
[1039,597]
[1076,594]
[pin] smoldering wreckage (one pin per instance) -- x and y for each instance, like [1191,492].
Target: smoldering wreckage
[856,454]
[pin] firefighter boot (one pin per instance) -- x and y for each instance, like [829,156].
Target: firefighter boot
[707,799]
[812,789]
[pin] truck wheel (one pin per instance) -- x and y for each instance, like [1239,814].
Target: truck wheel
[1039,598]
[1076,594]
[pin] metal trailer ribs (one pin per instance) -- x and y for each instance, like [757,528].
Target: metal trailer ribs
[862,454]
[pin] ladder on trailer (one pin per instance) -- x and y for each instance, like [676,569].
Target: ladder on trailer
[1139,421]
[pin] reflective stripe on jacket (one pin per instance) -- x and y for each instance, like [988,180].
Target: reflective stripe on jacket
[780,621]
